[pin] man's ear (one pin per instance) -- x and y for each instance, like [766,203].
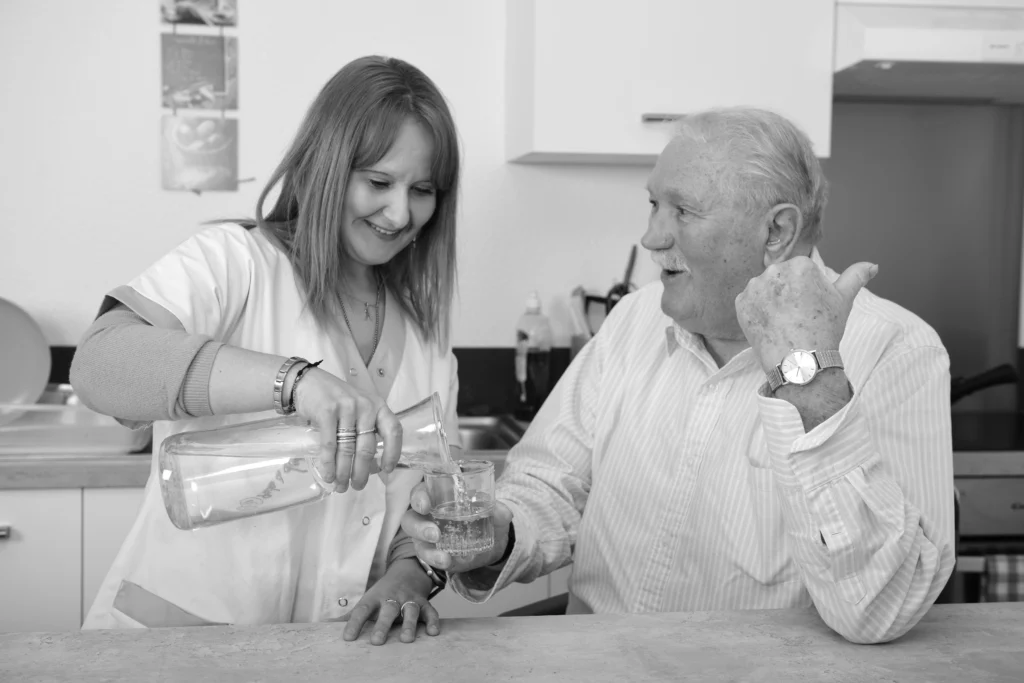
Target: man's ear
[785,228]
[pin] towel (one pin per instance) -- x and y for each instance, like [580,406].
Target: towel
[1003,580]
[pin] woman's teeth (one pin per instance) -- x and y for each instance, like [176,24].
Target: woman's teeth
[382,231]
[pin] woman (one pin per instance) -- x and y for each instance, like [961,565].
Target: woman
[354,265]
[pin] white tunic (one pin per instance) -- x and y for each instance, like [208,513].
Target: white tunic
[308,563]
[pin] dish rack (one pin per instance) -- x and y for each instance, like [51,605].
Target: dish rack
[60,424]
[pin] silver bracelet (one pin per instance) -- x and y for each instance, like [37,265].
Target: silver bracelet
[282,373]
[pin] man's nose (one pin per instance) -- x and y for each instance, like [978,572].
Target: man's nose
[657,237]
[397,209]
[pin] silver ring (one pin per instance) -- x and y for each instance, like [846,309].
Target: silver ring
[366,431]
[394,601]
[407,602]
[347,435]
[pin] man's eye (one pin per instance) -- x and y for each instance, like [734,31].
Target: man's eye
[682,211]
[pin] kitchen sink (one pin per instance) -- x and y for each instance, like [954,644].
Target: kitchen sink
[489,433]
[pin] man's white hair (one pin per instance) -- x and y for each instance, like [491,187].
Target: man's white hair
[774,161]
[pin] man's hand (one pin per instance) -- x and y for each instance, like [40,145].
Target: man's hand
[400,594]
[424,532]
[792,305]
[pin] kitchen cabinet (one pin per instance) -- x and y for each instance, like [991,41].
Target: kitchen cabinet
[595,82]
[41,560]
[107,517]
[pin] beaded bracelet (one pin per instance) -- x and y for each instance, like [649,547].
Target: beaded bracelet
[295,383]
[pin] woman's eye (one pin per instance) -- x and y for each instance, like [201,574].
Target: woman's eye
[379,184]
[654,204]
[681,210]
[425,191]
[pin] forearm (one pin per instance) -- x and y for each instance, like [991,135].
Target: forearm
[872,560]
[882,564]
[242,381]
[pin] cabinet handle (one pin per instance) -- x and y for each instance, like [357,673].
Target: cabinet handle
[5,531]
[659,118]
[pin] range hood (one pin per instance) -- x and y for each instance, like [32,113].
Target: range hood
[930,51]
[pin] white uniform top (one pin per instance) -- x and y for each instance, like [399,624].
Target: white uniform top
[308,563]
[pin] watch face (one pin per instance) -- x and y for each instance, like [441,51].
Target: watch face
[799,367]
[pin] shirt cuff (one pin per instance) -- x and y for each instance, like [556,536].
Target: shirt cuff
[480,584]
[826,453]
[195,389]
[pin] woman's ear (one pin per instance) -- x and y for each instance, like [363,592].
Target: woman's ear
[785,227]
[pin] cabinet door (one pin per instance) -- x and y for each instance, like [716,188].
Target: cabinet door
[107,517]
[451,605]
[583,76]
[41,560]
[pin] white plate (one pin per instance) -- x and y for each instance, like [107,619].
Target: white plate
[24,356]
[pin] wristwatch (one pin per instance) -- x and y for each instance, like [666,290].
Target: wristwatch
[801,367]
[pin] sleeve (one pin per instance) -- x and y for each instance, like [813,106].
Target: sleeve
[201,286]
[138,373]
[867,496]
[546,482]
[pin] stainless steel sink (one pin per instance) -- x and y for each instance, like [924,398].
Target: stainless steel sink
[492,433]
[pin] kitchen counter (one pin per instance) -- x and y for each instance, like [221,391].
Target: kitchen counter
[952,643]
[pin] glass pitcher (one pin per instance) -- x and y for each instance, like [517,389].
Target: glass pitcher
[219,475]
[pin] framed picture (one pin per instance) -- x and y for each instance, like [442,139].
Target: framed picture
[199,153]
[207,12]
[199,72]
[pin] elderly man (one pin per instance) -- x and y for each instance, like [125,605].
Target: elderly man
[753,431]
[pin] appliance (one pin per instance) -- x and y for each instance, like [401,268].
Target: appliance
[950,51]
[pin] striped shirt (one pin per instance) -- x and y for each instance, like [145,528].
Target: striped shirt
[671,484]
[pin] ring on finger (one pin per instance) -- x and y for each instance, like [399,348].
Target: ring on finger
[407,602]
[364,432]
[346,434]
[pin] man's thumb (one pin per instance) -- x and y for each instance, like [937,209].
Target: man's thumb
[854,278]
[501,515]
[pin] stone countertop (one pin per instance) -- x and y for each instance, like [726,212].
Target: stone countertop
[951,643]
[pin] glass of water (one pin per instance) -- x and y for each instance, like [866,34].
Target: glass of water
[461,505]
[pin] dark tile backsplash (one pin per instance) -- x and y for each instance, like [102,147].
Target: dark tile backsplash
[487,383]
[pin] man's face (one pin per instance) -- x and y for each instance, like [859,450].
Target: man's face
[707,244]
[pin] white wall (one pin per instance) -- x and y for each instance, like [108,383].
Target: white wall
[80,199]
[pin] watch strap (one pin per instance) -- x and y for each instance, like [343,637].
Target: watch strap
[828,359]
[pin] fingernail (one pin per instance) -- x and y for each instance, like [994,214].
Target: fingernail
[874,269]
[341,487]
[432,535]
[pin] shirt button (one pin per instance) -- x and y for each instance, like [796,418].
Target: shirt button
[343,602]
[366,520]
[380,372]
[352,371]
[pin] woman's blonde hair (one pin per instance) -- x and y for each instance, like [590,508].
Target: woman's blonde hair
[352,123]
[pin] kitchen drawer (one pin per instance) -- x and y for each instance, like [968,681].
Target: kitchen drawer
[991,506]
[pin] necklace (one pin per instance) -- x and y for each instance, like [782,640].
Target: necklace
[367,305]
[376,315]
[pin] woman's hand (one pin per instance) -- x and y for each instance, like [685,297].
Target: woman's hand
[332,405]
[401,593]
